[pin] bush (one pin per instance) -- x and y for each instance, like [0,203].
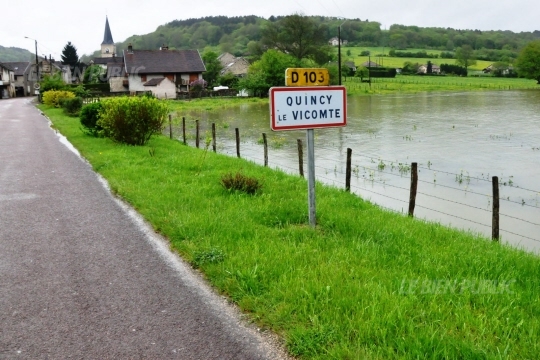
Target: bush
[89,117]
[80,91]
[197,86]
[49,82]
[240,182]
[54,97]
[71,106]
[132,120]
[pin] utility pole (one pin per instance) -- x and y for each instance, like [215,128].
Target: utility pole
[37,62]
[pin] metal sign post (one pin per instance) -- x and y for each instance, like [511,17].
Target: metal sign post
[308,107]
[311,177]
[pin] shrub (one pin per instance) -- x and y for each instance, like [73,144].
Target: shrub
[89,117]
[240,182]
[72,106]
[132,120]
[54,97]
[80,91]
[53,82]
[197,85]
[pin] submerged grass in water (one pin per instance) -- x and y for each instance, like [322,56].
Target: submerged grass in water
[365,284]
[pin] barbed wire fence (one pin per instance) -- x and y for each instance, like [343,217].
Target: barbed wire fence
[371,179]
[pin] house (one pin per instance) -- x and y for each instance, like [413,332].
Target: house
[238,66]
[24,84]
[369,64]
[50,67]
[7,78]
[335,41]
[163,72]
[435,69]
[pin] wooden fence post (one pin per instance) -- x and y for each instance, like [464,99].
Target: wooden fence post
[237,142]
[214,147]
[170,126]
[197,133]
[184,129]
[265,142]
[495,220]
[414,187]
[300,157]
[348,171]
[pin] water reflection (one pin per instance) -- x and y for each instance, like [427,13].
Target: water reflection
[459,140]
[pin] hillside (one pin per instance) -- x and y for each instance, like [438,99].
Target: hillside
[15,54]
[240,36]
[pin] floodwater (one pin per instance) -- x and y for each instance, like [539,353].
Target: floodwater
[459,140]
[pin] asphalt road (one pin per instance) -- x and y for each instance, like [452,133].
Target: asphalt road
[82,278]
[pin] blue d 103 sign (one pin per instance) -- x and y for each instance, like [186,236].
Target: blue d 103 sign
[293,108]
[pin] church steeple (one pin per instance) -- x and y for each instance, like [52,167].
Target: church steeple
[107,38]
[107,46]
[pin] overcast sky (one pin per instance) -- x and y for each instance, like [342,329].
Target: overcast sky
[55,22]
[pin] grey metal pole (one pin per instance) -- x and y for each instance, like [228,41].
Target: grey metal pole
[311,177]
[339,55]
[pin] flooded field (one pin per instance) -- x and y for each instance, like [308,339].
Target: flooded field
[459,141]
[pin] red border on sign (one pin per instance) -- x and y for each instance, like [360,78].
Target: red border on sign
[304,88]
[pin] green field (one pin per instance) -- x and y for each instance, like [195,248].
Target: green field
[365,284]
[415,84]
[397,62]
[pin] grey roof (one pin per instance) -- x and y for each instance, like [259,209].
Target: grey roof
[6,66]
[107,37]
[154,82]
[163,61]
[19,67]
[108,60]
[116,70]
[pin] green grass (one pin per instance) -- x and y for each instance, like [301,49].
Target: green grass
[411,84]
[398,62]
[342,290]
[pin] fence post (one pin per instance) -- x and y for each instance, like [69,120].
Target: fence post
[348,171]
[170,126]
[197,133]
[237,141]
[214,137]
[495,220]
[265,149]
[414,186]
[184,129]
[300,157]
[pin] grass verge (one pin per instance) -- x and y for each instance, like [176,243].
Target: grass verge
[366,284]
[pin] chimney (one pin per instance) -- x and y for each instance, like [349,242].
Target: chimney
[130,49]
[164,47]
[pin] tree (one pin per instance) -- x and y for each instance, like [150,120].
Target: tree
[94,74]
[528,61]
[70,57]
[465,56]
[267,72]
[296,35]
[429,69]
[213,67]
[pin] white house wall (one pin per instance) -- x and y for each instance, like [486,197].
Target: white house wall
[165,90]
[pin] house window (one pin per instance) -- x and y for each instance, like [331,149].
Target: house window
[143,78]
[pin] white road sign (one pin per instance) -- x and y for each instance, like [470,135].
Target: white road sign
[293,108]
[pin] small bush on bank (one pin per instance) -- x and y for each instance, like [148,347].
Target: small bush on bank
[132,120]
[89,117]
[54,97]
[72,106]
[241,182]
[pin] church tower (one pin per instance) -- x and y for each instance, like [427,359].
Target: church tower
[107,46]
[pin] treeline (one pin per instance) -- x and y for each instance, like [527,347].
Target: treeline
[13,54]
[241,36]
